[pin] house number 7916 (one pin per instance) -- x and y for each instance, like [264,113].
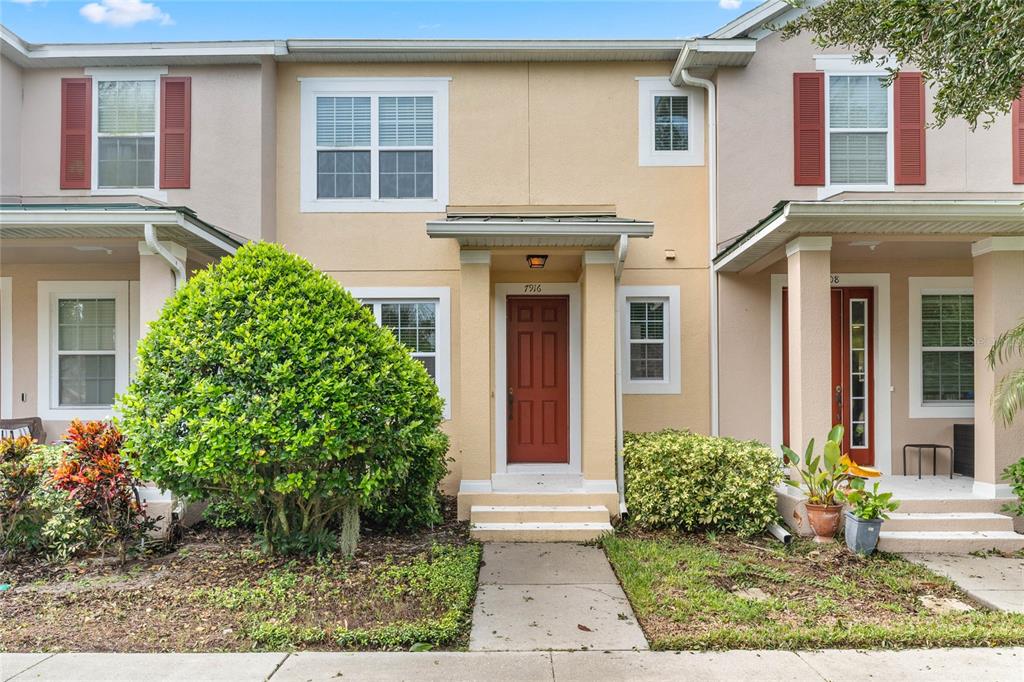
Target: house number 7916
[531,289]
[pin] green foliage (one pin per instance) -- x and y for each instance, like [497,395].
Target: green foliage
[677,479]
[35,516]
[1008,397]
[224,514]
[970,50]
[868,504]
[823,476]
[266,385]
[1015,475]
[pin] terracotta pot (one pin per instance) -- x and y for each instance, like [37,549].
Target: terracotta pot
[824,519]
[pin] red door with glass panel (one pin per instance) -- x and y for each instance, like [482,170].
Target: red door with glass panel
[851,387]
[538,379]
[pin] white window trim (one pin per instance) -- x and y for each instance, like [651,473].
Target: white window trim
[311,88]
[649,88]
[843,65]
[671,384]
[443,327]
[918,287]
[48,295]
[6,348]
[125,74]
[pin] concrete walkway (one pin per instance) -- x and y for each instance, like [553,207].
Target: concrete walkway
[544,596]
[995,581]
[988,665]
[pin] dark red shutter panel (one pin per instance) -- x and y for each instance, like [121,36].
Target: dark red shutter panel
[809,128]
[75,133]
[908,116]
[1017,121]
[175,131]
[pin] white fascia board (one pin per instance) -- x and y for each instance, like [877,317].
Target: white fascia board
[761,14]
[574,229]
[80,216]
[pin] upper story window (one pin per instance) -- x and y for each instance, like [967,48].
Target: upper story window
[671,129]
[858,130]
[126,133]
[374,144]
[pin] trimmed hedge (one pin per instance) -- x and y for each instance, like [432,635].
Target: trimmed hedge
[682,480]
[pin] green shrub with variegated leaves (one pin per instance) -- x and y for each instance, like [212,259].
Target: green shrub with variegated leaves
[267,386]
[686,481]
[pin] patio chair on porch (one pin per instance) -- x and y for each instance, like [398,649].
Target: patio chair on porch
[25,426]
[934,447]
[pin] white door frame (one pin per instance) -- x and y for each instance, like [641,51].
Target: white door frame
[883,363]
[501,294]
[6,349]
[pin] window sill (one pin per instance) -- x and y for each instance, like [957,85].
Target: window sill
[832,190]
[940,411]
[689,158]
[650,388]
[147,192]
[372,206]
[69,413]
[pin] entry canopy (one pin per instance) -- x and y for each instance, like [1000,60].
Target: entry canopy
[962,219]
[537,226]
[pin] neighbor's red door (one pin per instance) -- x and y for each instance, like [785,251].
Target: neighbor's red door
[538,379]
[851,389]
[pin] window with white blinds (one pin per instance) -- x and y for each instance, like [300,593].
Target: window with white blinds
[858,135]
[947,347]
[126,133]
[649,338]
[671,123]
[389,156]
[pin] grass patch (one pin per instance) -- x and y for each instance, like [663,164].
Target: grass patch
[684,591]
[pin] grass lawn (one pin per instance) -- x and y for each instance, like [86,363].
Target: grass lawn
[683,590]
[217,592]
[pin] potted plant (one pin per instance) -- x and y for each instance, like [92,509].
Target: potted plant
[868,508]
[822,479]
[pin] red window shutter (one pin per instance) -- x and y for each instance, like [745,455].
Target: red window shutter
[175,131]
[809,128]
[1017,122]
[908,116]
[75,133]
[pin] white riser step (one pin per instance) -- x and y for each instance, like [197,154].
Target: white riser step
[538,513]
[981,521]
[953,506]
[948,542]
[538,532]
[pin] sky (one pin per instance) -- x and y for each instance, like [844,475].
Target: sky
[67,21]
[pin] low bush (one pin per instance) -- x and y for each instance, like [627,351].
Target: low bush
[678,479]
[266,385]
[1014,474]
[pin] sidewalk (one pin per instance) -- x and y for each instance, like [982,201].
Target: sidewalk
[995,581]
[988,665]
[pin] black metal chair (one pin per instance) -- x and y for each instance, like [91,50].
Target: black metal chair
[935,447]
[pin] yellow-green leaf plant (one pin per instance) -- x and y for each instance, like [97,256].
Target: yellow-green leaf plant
[821,476]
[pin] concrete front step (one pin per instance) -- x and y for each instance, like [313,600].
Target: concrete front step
[538,513]
[539,531]
[956,521]
[965,505]
[468,500]
[948,542]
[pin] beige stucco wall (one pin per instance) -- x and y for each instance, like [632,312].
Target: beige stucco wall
[10,128]
[746,394]
[521,134]
[231,170]
[755,148]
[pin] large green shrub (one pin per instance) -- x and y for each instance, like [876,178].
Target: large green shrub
[678,479]
[266,385]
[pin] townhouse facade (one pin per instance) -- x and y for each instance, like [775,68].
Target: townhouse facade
[731,234]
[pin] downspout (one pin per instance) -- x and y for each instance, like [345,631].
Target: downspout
[680,74]
[176,265]
[620,474]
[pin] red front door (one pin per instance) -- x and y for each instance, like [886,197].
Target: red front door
[538,379]
[851,389]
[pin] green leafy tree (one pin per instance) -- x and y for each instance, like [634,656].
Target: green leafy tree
[971,51]
[1008,397]
[266,385]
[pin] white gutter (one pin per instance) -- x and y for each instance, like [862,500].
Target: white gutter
[620,472]
[680,74]
[176,265]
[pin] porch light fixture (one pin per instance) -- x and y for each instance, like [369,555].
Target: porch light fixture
[536,262]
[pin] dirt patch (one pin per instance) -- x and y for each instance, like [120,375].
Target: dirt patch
[217,592]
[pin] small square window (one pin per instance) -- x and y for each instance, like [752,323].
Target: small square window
[671,123]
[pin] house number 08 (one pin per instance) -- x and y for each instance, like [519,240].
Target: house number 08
[531,289]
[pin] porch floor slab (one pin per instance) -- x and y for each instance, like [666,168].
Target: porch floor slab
[997,582]
[548,596]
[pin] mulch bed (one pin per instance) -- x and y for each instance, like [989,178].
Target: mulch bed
[162,602]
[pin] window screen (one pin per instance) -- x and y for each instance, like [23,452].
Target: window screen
[647,340]
[86,345]
[947,347]
[126,129]
[858,121]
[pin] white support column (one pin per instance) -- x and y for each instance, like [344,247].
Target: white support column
[156,282]
[810,340]
[998,306]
